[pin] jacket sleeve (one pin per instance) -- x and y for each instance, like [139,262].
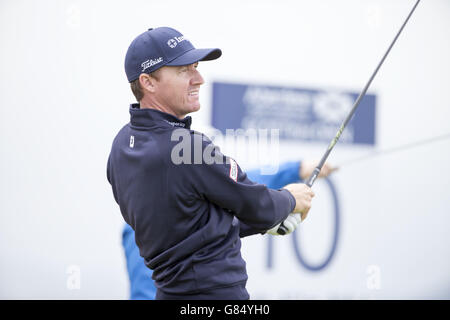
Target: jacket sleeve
[287,173]
[220,180]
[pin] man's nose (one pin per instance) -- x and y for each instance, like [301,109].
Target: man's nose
[197,78]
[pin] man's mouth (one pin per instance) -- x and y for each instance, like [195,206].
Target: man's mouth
[193,93]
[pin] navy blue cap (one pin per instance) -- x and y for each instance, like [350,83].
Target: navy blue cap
[160,47]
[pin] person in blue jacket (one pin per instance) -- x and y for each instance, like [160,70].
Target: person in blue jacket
[187,203]
[141,286]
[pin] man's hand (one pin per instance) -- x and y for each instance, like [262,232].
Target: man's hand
[291,223]
[303,196]
[307,167]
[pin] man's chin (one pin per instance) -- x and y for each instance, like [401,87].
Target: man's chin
[195,108]
[191,110]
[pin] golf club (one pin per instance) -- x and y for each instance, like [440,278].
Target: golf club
[282,229]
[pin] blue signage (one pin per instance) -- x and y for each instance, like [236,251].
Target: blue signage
[299,114]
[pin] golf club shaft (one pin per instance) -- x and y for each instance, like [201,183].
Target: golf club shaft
[333,142]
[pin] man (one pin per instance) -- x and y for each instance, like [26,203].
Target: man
[188,212]
[141,286]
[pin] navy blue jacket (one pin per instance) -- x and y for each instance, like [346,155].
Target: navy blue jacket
[188,217]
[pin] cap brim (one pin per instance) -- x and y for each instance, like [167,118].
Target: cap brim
[195,55]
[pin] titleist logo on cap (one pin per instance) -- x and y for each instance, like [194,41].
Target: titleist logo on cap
[150,62]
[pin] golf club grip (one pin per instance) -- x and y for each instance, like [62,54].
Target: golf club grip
[282,229]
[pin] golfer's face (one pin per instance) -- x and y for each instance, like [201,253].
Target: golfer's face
[179,89]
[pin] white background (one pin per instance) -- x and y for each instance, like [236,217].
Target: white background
[64,96]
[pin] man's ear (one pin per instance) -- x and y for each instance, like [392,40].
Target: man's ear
[147,82]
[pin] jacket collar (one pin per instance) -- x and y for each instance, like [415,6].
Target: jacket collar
[148,117]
